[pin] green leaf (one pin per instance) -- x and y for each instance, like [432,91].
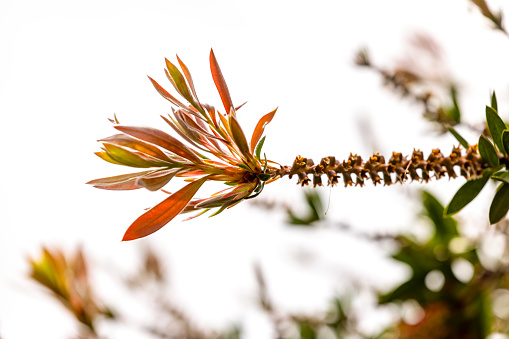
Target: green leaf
[494,101]
[501,176]
[500,204]
[496,126]
[488,152]
[244,167]
[467,193]
[454,112]
[458,137]
[505,140]
[258,149]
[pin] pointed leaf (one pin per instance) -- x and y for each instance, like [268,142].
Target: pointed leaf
[467,193]
[163,213]
[189,79]
[138,145]
[500,204]
[259,148]
[496,127]
[494,101]
[106,157]
[220,83]
[119,182]
[488,152]
[458,137]
[239,137]
[157,180]
[165,94]
[260,126]
[162,139]
[179,82]
[131,158]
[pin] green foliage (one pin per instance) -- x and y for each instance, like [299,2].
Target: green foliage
[496,127]
[488,151]
[466,194]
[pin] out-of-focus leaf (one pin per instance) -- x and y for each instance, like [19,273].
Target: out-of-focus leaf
[496,126]
[157,180]
[454,112]
[163,213]
[505,141]
[220,83]
[500,204]
[488,152]
[458,137]
[260,126]
[467,193]
[494,101]
[162,139]
[314,213]
[258,149]
[445,227]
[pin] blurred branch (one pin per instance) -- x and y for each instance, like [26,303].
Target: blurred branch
[495,18]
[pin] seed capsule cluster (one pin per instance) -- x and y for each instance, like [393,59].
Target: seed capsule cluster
[399,168]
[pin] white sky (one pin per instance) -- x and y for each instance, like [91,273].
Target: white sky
[67,66]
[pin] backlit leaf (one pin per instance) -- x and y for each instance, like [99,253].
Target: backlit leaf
[496,127]
[163,213]
[130,158]
[239,137]
[119,182]
[488,152]
[179,82]
[162,139]
[258,149]
[220,83]
[157,180]
[260,126]
[500,204]
[165,94]
[467,193]
[458,137]
[138,145]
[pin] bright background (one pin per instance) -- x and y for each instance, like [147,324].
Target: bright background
[67,66]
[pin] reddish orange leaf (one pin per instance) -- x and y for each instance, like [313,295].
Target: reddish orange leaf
[132,158]
[127,141]
[220,83]
[260,126]
[162,139]
[179,82]
[119,182]
[239,137]
[157,180]
[189,79]
[165,94]
[162,213]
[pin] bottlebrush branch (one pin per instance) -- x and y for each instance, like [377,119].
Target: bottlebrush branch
[239,164]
